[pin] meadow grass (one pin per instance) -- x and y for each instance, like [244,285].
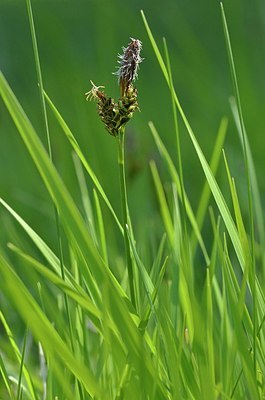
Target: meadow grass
[147,330]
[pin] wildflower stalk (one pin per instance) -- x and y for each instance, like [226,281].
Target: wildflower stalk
[125,216]
[115,115]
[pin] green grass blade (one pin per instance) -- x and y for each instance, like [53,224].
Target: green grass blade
[42,329]
[174,175]
[73,290]
[52,277]
[19,357]
[209,335]
[50,256]
[81,242]
[71,218]
[206,192]
[40,244]
[145,278]
[247,169]
[179,156]
[163,203]
[44,111]
[217,194]
[39,74]
[155,48]
[183,285]
[85,196]
[82,158]
[253,176]
[19,386]
[101,227]
[242,236]
[149,307]
[4,374]
[240,335]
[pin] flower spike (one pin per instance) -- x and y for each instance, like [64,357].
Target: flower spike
[129,64]
[115,115]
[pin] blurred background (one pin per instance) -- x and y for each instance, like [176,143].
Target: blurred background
[79,41]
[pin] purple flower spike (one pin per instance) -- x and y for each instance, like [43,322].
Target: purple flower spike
[129,63]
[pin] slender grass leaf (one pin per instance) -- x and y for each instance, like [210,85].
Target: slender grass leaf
[206,192]
[174,175]
[217,194]
[72,290]
[77,234]
[253,176]
[42,329]
[4,374]
[163,203]
[85,196]
[101,228]
[82,158]
[19,357]
[19,386]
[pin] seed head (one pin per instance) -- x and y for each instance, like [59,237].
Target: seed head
[115,115]
[129,64]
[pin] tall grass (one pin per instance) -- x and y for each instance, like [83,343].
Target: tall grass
[88,337]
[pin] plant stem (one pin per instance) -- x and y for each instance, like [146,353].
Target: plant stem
[249,186]
[125,218]
[47,130]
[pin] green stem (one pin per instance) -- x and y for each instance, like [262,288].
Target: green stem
[183,209]
[125,216]
[43,106]
[249,186]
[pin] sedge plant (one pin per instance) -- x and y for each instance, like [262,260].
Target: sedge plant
[88,338]
[115,116]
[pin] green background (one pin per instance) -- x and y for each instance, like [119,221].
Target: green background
[79,41]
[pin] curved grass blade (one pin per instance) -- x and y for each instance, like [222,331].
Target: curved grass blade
[184,291]
[217,194]
[4,374]
[42,329]
[52,259]
[101,228]
[121,309]
[253,177]
[19,386]
[163,203]
[19,357]
[149,307]
[206,191]
[82,158]
[174,175]
[73,290]
[85,196]
[45,117]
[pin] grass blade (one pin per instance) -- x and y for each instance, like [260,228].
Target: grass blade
[85,196]
[217,194]
[19,386]
[4,374]
[101,228]
[206,192]
[174,175]
[83,245]
[82,158]
[19,358]
[42,329]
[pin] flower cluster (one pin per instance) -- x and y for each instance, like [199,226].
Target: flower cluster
[113,114]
